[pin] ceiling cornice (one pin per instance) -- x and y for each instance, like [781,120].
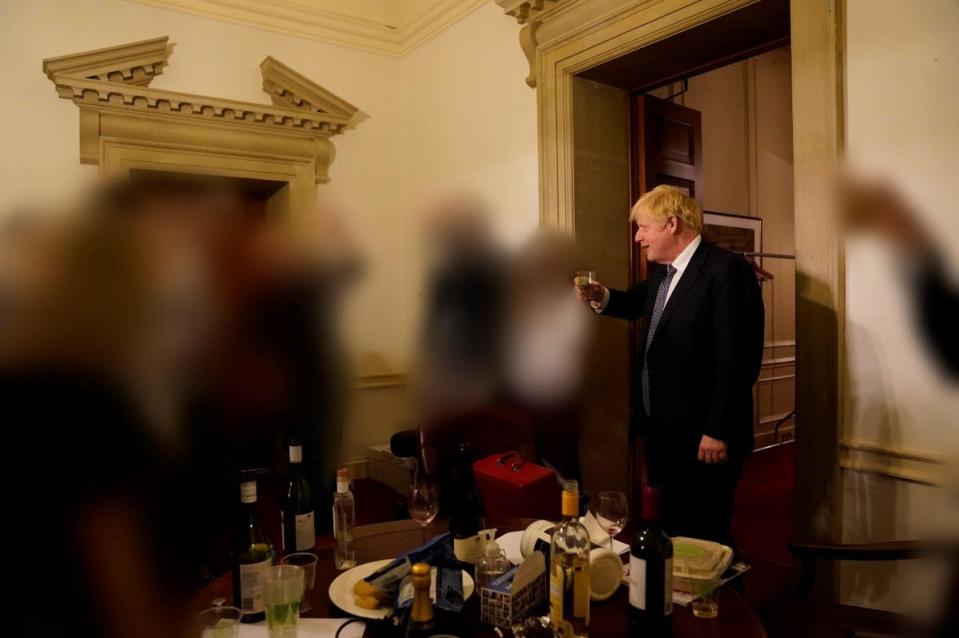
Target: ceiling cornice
[291,18]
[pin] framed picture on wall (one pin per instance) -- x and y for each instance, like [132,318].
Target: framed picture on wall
[738,233]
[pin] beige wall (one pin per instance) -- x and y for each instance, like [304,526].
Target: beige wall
[455,113]
[747,170]
[901,102]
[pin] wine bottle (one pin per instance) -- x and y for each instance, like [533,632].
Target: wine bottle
[422,622]
[650,574]
[344,521]
[296,516]
[252,555]
[569,569]
[467,517]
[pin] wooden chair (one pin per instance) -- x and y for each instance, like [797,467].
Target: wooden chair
[800,617]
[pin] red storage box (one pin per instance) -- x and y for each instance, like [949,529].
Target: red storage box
[514,488]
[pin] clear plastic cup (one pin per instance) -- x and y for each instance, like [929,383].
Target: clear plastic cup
[282,593]
[307,562]
[220,622]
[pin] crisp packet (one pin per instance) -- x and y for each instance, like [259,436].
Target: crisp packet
[446,586]
[446,589]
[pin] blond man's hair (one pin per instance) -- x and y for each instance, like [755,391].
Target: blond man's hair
[664,202]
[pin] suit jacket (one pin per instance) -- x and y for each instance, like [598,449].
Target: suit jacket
[704,358]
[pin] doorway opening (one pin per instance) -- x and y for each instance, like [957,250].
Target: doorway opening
[708,110]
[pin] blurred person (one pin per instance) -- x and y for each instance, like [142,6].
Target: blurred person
[876,208]
[89,358]
[547,333]
[699,356]
[277,371]
[461,337]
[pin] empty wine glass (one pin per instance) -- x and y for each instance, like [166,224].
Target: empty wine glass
[423,504]
[612,512]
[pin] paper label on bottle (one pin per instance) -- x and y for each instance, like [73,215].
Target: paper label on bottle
[556,597]
[581,591]
[305,531]
[251,586]
[469,550]
[248,492]
[637,583]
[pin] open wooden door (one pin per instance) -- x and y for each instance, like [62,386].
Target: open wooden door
[666,148]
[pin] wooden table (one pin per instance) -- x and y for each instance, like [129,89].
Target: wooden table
[608,618]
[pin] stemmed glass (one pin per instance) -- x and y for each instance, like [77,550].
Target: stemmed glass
[424,503]
[612,512]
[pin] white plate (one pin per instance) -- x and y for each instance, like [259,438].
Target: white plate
[341,589]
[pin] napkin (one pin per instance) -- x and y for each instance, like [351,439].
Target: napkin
[599,537]
[309,628]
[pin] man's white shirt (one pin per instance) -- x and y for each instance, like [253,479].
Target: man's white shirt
[680,263]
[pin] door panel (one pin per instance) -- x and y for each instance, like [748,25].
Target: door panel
[667,149]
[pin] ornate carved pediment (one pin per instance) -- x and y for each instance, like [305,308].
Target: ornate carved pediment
[110,88]
[136,63]
[290,89]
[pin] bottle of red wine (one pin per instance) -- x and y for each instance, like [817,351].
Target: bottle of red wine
[650,574]
[252,556]
[467,517]
[297,522]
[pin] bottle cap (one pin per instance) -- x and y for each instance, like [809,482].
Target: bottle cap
[651,503]
[421,569]
[343,480]
[421,576]
[570,498]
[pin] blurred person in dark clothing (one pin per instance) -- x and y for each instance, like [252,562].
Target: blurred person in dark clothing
[161,342]
[461,337]
[89,358]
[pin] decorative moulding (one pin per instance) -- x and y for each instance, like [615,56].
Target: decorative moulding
[299,124]
[136,63]
[524,10]
[299,19]
[290,89]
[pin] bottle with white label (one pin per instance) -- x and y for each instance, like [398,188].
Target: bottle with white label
[252,556]
[569,569]
[650,574]
[344,521]
[297,522]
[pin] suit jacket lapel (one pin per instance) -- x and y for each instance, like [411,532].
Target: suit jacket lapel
[690,275]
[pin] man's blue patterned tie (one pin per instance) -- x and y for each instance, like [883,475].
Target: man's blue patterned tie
[653,323]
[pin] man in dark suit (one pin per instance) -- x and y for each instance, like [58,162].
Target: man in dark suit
[697,361]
